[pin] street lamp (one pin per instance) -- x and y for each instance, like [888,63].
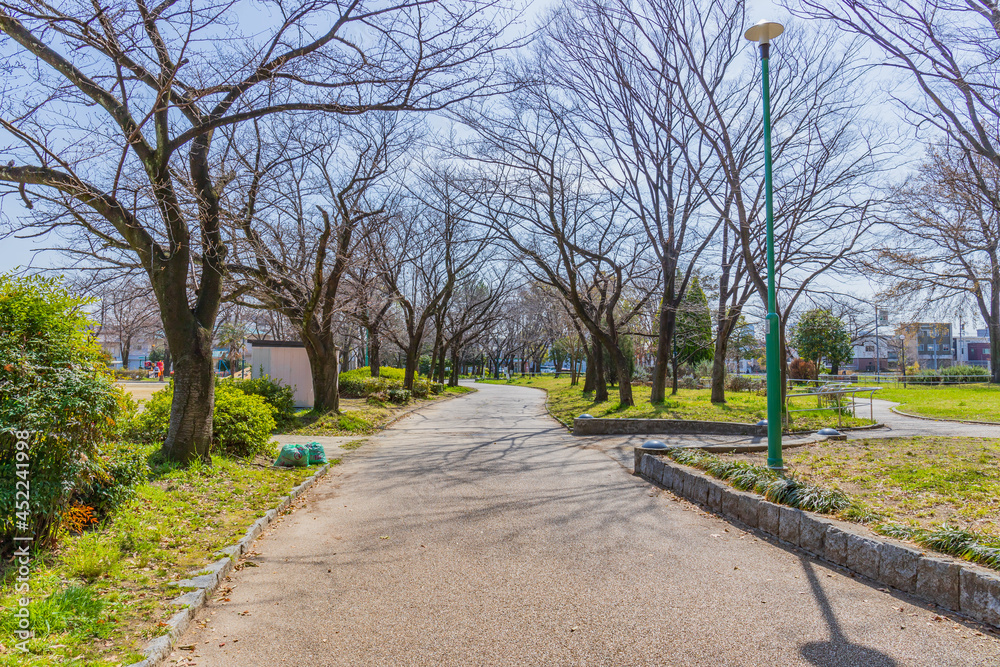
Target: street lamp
[763,33]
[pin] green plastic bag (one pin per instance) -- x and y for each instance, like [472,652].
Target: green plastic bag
[316,453]
[293,456]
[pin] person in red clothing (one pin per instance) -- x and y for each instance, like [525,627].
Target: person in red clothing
[159,370]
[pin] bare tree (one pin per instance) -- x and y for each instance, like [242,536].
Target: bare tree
[944,243]
[306,221]
[127,312]
[478,301]
[534,194]
[825,156]
[431,248]
[119,106]
[368,302]
[617,69]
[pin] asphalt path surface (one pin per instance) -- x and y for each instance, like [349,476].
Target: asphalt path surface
[478,532]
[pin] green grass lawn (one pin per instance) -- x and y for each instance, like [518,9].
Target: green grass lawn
[977,402]
[99,597]
[921,482]
[566,402]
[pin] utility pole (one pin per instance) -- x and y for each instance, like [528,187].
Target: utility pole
[878,364]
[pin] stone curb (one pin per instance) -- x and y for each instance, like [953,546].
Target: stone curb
[942,419]
[206,580]
[957,586]
[866,427]
[632,426]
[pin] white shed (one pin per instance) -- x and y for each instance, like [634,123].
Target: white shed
[285,361]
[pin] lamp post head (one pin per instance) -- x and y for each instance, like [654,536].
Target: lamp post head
[764,32]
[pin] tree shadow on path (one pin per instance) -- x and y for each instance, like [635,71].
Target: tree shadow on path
[838,650]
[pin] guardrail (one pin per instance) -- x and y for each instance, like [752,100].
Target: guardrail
[833,395]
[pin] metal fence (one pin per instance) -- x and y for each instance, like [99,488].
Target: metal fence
[831,396]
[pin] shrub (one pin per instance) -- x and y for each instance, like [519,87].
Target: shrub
[399,396]
[360,384]
[241,423]
[962,374]
[802,369]
[130,373]
[742,383]
[927,376]
[151,423]
[437,387]
[54,384]
[421,387]
[124,466]
[279,396]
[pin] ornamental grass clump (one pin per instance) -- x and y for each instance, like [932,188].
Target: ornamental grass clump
[960,542]
[783,489]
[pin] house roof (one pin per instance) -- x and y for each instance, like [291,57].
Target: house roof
[259,342]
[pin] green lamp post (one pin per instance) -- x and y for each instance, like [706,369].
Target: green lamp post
[763,33]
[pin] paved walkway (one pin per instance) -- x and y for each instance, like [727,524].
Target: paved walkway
[902,426]
[478,532]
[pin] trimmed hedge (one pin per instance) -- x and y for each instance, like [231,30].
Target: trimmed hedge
[950,375]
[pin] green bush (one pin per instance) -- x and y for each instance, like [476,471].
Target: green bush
[964,374]
[241,423]
[437,387]
[130,373]
[123,467]
[279,396]
[151,423]
[55,385]
[360,384]
[399,396]
[421,387]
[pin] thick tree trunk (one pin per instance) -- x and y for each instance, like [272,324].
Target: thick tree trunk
[726,326]
[590,376]
[624,378]
[374,355]
[124,349]
[664,343]
[412,360]
[168,362]
[190,434]
[719,370]
[453,378]
[324,363]
[442,362]
[600,378]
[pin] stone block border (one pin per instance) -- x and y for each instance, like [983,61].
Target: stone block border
[955,585]
[630,426]
[206,580]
